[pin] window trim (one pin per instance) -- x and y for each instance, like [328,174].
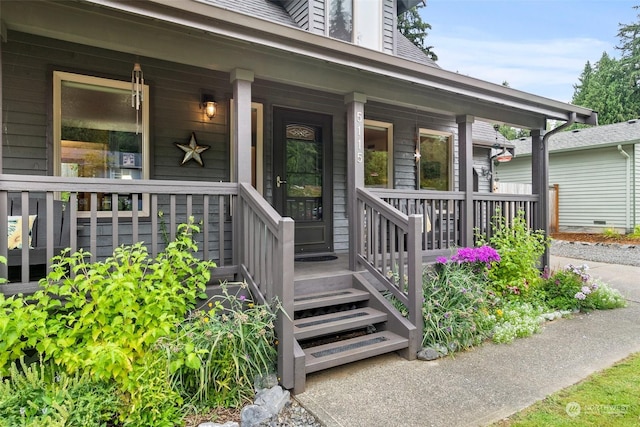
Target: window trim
[58,78]
[450,136]
[391,158]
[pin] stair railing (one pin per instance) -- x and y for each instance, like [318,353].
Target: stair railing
[389,247]
[264,248]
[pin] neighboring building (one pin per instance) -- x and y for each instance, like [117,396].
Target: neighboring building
[597,171]
[288,128]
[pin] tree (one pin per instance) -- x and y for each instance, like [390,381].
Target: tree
[340,24]
[411,25]
[612,86]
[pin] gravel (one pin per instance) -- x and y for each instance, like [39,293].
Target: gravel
[611,253]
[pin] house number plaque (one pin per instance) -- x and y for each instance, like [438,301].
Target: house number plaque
[359,153]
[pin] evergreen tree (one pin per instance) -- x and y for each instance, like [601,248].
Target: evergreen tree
[411,25]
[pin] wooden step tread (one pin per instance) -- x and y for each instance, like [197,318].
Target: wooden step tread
[342,352]
[315,326]
[329,298]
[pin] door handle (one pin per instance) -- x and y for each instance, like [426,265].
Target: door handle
[279,181]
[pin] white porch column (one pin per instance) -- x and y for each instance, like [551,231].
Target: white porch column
[241,126]
[465,169]
[355,165]
[540,183]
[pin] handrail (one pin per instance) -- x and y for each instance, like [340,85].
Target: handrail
[265,250]
[389,248]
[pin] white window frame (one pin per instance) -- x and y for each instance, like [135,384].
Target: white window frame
[449,135]
[362,22]
[58,78]
[390,153]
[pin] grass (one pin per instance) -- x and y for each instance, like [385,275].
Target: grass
[607,398]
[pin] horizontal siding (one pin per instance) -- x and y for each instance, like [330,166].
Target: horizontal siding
[388,26]
[591,186]
[636,186]
[318,17]
[480,162]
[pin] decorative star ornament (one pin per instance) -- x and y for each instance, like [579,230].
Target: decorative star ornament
[192,150]
[417,156]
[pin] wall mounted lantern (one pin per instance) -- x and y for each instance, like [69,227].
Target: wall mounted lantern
[208,104]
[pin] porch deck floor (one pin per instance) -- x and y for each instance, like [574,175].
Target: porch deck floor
[318,269]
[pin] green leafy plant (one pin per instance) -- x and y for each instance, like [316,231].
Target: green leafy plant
[517,274]
[106,315]
[456,306]
[611,233]
[219,350]
[40,394]
[636,232]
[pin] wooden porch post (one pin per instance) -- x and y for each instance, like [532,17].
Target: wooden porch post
[3,197]
[355,166]
[241,145]
[539,184]
[465,167]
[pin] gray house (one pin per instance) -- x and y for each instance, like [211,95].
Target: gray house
[597,171]
[292,129]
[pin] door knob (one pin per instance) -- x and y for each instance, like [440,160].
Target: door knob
[279,181]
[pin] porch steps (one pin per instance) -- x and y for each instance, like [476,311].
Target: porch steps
[344,322]
[347,351]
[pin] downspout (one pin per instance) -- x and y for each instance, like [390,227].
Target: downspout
[627,195]
[544,187]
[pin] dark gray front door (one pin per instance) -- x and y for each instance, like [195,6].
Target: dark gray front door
[302,184]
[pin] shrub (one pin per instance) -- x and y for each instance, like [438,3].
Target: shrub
[41,394]
[517,274]
[636,232]
[456,306]
[603,297]
[220,350]
[516,319]
[611,233]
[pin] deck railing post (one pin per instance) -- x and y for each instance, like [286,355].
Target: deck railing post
[414,242]
[465,156]
[283,289]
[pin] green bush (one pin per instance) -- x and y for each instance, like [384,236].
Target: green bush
[517,275]
[40,394]
[603,297]
[636,232]
[219,351]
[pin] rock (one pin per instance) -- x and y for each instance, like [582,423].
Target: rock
[429,353]
[253,415]
[261,382]
[227,424]
[273,399]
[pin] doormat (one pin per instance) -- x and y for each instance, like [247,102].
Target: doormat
[316,258]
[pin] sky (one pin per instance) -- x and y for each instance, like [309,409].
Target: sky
[538,46]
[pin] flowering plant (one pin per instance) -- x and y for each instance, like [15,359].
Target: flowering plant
[481,259]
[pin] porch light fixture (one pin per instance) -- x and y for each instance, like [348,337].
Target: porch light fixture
[208,104]
[503,156]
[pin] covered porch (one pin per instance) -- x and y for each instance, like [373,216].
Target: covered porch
[382,236]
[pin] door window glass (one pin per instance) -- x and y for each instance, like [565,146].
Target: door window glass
[304,163]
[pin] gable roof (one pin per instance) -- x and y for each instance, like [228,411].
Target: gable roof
[407,50]
[581,139]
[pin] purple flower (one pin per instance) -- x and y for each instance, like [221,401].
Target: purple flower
[447,315]
[586,290]
[441,260]
[580,296]
[242,298]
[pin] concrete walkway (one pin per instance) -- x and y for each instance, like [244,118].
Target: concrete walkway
[485,384]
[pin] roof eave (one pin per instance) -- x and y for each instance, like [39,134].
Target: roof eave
[262,32]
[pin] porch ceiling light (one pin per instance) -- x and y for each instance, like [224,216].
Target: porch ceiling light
[208,104]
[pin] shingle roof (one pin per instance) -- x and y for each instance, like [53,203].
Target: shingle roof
[483,133]
[617,133]
[409,51]
[262,9]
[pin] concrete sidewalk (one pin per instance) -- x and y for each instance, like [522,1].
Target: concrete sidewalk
[485,384]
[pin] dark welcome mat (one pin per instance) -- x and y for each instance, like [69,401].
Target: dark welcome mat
[316,258]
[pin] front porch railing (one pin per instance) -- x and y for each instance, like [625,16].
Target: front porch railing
[151,215]
[389,247]
[486,206]
[265,251]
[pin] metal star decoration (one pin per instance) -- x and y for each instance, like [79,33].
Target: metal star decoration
[417,155]
[192,150]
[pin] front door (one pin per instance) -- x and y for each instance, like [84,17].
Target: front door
[302,180]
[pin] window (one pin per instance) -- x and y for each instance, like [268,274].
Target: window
[97,134]
[378,154]
[341,20]
[368,24]
[436,160]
